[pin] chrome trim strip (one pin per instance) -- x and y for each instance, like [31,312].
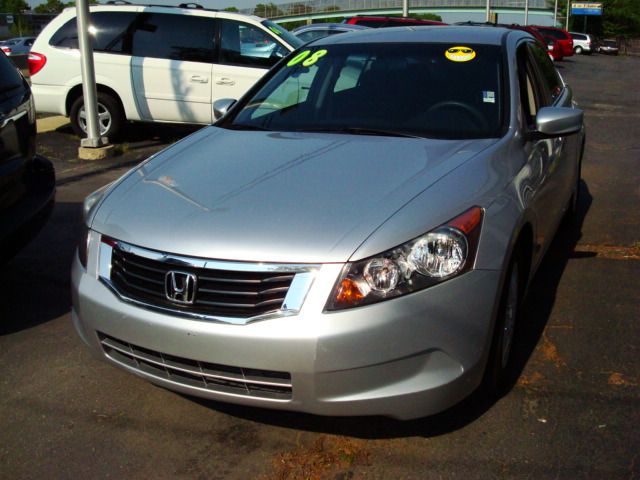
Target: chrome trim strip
[195,373]
[194,262]
[297,293]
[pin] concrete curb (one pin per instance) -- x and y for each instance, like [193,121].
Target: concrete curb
[50,124]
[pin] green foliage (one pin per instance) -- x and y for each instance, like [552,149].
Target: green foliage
[621,18]
[52,6]
[13,6]
[231,9]
[427,16]
[267,10]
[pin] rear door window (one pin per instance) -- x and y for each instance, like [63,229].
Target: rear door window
[174,37]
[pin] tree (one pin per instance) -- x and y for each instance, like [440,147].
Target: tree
[52,6]
[267,10]
[231,9]
[16,7]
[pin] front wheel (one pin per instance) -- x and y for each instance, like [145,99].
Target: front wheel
[110,116]
[578,50]
[500,361]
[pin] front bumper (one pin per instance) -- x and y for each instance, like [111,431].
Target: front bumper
[405,358]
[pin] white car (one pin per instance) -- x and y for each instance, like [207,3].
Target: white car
[153,63]
[583,43]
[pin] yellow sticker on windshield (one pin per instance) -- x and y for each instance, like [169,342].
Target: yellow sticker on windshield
[460,54]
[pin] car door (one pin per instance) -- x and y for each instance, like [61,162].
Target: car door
[246,53]
[171,67]
[550,168]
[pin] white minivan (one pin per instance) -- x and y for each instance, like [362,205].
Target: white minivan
[153,63]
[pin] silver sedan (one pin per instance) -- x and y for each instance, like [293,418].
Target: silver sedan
[355,236]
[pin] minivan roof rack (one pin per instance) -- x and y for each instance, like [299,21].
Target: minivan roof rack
[191,5]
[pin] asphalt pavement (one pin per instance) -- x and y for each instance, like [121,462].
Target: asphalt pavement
[573,412]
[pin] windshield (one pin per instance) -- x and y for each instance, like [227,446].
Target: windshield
[423,90]
[286,35]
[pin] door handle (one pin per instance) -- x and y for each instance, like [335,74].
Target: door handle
[225,81]
[199,79]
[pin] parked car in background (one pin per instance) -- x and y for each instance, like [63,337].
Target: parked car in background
[355,236]
[583,43]
[559,35]
[17,46]
[553,48]
[608,47]
[153,63]
[27,181]
[382,22]
[306,33]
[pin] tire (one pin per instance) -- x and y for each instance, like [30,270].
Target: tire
[110,116]
[578,50]
[500,363]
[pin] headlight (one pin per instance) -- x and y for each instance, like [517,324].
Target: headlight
[432,258]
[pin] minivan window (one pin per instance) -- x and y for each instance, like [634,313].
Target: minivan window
[156,35]
[108,30]
[247,45]
[175,37]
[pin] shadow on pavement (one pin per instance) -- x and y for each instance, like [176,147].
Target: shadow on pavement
[35,284]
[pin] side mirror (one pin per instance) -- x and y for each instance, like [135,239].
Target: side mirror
[221,107]
[558,121]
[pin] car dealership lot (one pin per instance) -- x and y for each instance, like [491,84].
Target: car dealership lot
[572,413]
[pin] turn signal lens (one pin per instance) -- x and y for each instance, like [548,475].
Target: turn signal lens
[349,293]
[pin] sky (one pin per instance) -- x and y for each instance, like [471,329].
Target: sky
[216,4]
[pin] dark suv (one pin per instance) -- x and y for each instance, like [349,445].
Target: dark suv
[27,181]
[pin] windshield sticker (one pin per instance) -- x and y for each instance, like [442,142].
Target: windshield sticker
[489,97]
[460,54]
[307,58]
[275,30]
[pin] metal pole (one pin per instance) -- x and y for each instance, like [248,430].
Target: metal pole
[488,11]
[568,13]
[89,90]
[405,8]
[526,12]
[555,14]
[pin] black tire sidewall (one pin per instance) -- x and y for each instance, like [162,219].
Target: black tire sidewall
[110,103]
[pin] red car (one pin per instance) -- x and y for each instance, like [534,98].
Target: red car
[381,22]
[560,36]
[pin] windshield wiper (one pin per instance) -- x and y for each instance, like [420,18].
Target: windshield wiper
[360,131]
[246,126]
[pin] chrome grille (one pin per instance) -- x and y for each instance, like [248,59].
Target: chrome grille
[249,382]
[227,293]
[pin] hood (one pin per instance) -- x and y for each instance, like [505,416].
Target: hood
[273,196]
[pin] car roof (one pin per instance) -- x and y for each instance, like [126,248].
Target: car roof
[426,34]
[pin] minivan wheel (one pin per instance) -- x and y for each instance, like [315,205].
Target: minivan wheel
[578,50]
[500,361]
[110,116]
